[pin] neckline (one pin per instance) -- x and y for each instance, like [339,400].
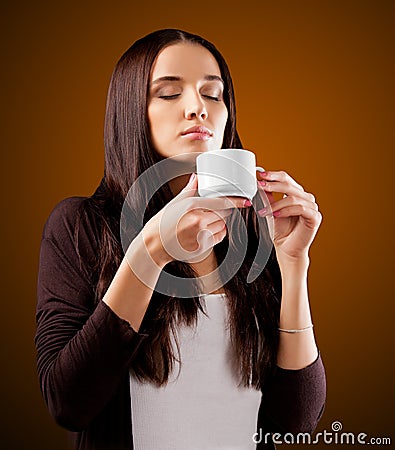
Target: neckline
[222,294]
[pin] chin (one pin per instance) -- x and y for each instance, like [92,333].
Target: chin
[202,146]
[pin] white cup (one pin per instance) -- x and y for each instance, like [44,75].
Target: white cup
[227,172]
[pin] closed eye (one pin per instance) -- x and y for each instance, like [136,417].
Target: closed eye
[212,97]
[169,97]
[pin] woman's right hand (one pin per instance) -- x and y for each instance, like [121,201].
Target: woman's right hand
[188,227]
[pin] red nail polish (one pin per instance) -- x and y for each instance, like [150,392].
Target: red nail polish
[262,183]
[247,203]
[262,212]
[276,213]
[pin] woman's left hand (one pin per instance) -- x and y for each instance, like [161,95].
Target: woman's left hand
[296,215]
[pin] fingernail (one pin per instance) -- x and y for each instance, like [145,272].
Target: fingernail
[262,183]
[276,213]
[262,212]
[247,203]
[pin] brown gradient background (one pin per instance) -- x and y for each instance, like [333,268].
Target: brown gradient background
[315,93]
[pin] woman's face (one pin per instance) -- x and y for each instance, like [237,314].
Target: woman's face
[186,111]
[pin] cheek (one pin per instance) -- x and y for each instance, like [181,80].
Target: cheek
[151,118]
[161,112]
[222,118]
[155,122]
[225,117]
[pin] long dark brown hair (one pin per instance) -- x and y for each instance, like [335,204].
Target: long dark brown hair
[253,307]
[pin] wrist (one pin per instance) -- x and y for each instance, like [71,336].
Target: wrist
[294,274]
[293,264]
[155,249]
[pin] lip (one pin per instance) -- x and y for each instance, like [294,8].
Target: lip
[198,133]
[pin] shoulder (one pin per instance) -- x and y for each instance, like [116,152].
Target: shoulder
[63,218]
[73,229]
[70,238]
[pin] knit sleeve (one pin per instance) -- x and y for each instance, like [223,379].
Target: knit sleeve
[293,400]
[83,348]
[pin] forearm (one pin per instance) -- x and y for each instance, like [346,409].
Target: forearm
[82,350]
[131,289]
[295,350]
[293,400]
[80,370]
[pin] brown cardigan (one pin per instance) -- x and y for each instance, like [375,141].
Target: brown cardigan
[84,351]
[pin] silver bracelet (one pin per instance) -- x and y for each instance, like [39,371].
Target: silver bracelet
[296,331]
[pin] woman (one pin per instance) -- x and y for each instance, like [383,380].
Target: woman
[120,362]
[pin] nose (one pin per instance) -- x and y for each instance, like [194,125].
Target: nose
[195,107]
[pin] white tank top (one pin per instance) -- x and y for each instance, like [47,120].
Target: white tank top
[201,407]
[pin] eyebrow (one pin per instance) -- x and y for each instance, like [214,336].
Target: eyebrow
[173,78]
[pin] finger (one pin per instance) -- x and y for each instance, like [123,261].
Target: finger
[280,186]
[216,227]
[285,188]
[208,216]
[220,235]
[211,220]
[286,202]
[223,212]
[219,203]
[190,189]
[210,235]
[312,217]
[291,201]
[212,216]
[278,176]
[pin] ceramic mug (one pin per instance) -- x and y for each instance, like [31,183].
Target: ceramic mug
[227,172]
